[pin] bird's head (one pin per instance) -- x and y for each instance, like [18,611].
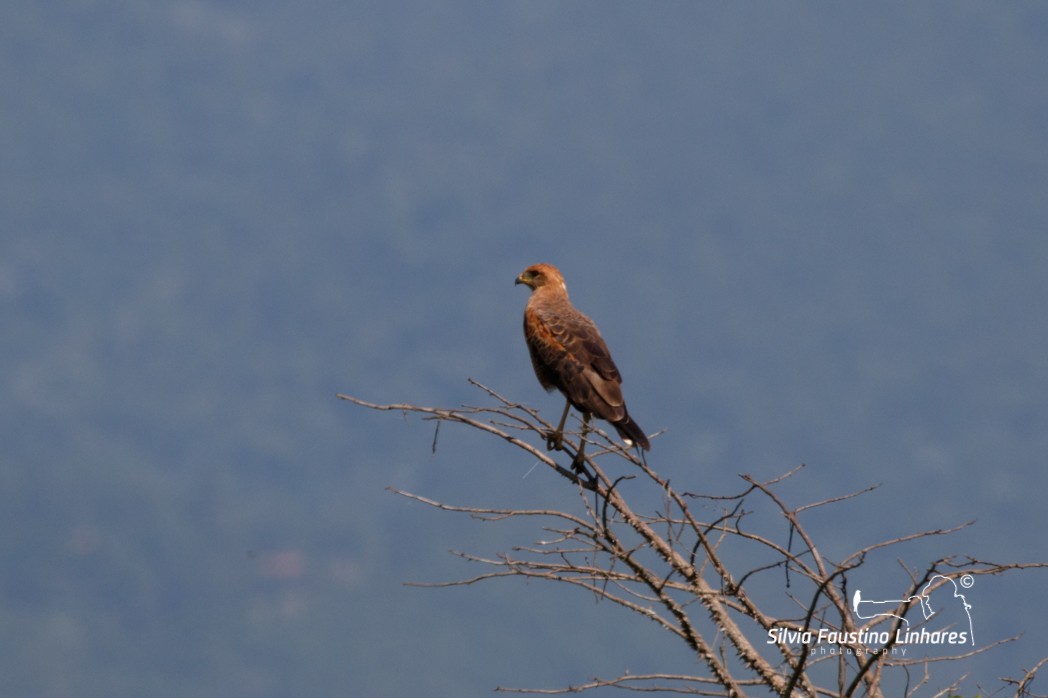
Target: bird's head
[539,275]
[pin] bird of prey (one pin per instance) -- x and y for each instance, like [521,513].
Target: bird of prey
[569,354]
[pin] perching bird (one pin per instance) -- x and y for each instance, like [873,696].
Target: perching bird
[569,354]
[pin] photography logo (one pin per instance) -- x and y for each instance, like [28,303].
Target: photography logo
[946,614]
[945,621]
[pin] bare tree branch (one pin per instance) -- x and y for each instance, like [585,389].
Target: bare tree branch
[698,576]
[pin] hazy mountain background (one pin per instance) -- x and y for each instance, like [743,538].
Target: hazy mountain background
[812,233]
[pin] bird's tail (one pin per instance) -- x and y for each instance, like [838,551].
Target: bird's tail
[631,433]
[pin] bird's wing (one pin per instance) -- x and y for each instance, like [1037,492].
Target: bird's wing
[567,348]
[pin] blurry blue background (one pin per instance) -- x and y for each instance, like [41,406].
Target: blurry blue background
[811,233]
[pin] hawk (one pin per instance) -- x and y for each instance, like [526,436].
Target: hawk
[569,354]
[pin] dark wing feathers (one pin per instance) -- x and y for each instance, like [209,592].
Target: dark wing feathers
[569,354]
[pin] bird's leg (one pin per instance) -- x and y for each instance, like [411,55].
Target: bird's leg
[577,463]
[556,439]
